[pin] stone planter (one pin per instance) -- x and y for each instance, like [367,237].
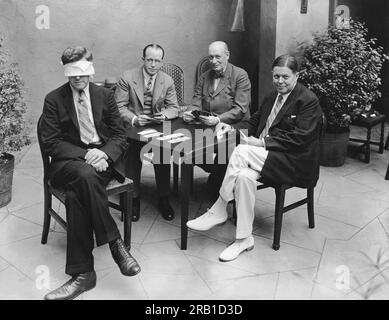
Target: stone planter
[333,149]
[6,176]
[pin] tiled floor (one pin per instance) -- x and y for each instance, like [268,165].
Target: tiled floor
[344,257]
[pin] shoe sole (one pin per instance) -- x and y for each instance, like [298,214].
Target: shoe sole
[78,294]
[219,224]
[248,249]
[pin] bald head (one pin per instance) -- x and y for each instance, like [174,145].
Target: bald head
[218,55]
[219,45]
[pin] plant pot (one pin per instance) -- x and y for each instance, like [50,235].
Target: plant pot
[333,149]
[6,175]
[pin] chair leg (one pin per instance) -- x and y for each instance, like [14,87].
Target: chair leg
[311,213]
[387,173]
[367,152]
[280,199]
[382,137]
[175,178]
[126,205]
[191,181]
[234,215]
[46,216]
[387,143]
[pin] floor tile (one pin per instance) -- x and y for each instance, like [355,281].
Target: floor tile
[248,288]
[25,192]
[14,229]
[16,286]
[164,258]
[295,230]
[295,285]
[27,255]
[173,287]
[261,260]
[353,260]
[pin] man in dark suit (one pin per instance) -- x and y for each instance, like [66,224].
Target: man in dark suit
[224,92]
[282,146]
[83,133]
[140,93]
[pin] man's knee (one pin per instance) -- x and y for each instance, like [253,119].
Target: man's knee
[87,173]
[246,176]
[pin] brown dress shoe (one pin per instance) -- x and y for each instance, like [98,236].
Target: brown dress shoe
[74,287]
[127,264]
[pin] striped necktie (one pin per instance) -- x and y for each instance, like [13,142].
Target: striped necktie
[272,116]
[149,84]
[86,126]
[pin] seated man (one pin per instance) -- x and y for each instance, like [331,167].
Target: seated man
[282,147]
[84,135]
[225,92]
[140,93]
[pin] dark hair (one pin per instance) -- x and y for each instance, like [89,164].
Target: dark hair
[76,53]
[287,60]
[154,46]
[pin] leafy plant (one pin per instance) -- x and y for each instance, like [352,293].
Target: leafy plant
[12,107]
[343,67]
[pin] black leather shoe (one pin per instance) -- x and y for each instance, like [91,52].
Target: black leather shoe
[135,209]
[127,264]
[74,287]
[165,208]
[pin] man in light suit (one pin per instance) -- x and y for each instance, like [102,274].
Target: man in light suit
[83,133]
[140,93]
[224,92]
[282,147]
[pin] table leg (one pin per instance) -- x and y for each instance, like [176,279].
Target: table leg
[186,170]
[382,137]
[367,154]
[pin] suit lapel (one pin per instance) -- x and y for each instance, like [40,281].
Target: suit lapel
[287,104]
[138,86]
[158,87]
[69,105]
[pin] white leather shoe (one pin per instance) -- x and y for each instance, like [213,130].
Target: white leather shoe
[235,249]
[206,221]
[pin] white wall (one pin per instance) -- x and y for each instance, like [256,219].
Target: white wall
[294,27]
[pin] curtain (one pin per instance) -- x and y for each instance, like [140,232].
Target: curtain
[236,19]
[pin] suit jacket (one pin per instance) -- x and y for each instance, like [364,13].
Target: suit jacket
[129,95]
[231,99]
[61,133]
[293,139]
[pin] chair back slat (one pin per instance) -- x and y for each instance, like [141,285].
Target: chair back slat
[178,77]
[44,154]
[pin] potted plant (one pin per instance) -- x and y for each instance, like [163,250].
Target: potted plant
[343,67]
[12,129]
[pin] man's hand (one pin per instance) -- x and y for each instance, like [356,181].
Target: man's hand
[101,165]
[159,116]
[95,155]
[142,120]
[188,116]
[209,120]
[252,141]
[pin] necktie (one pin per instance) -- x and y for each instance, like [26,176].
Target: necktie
[149,84]
[272,116]
[86,125]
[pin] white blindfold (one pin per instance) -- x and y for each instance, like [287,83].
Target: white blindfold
[79,68]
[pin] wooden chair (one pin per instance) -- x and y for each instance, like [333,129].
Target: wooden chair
[202,66]
[114,187]
[369,123]
[280,209]
[178,77]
